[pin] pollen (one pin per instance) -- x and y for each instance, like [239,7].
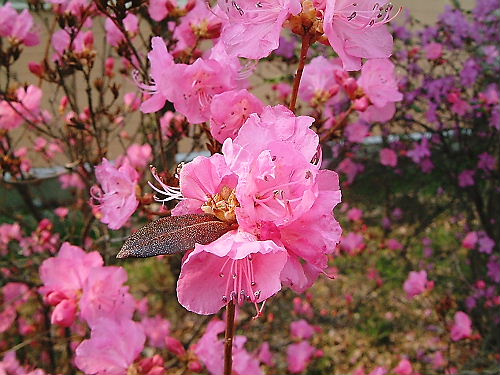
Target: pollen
[223,205]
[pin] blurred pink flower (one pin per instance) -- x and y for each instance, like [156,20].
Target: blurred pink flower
[253,31]
[210,351]
[420,151]
[466,178]
[355,31]
[355,214]
[352,243]
[470,240]
[417,283]
[18,27]
[139,156]
[357,132]
[76,264]
[112,348]
[159,9]
[378,81]
[114,35]
[318,82]
[116,195]
[26,108]
[404,367]
[104,295]
[156,329]
[302,329]
[462,326]
[299,356]
[71,180]
[200,22]
[433,50]
[265,354]
[230,110]
[486,244]
[388,157]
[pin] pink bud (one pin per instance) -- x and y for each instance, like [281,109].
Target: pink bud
[64,314]
[175,346]
[195,366]
[350,85]
[341,76]
[54,298]
[361,104]
[36,68]
[88,40]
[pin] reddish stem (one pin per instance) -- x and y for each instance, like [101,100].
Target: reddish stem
[306,42]
[228,338]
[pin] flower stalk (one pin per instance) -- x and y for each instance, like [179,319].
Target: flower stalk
[228,338]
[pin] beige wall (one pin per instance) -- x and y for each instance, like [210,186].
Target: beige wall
[427,11]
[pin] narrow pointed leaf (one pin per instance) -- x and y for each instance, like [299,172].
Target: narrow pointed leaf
[172,235]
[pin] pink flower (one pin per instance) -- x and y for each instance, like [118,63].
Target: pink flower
[210,351]
[230,110]
[156,329]
[404,367]
[355,214]
[139,156]
[268,188]
[301,329]
[350,168]
[378,81]
[18,27]
[76,264]
[71,180]
[112,348]
[237,266]
[357,132]
[420,151]
[132,101]
[299,356]
[417,283]
[486,244]
[251,30]
[433,50]
[318,83]
[355,31]
[160,60]
[265,355]
[352,243]
[174,346]
[462,327]
[192,87]
[201,22]
[470,240]
[486,162]
[388,157]
[113,34]
[104,295]
[466,178]
[62,42]
[394,244]
[26,108]
[158,9]
[117,194]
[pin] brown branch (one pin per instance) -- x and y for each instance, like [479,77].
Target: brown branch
[228,339]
